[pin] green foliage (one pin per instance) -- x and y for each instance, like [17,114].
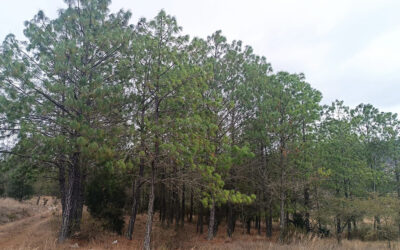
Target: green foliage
[105,199]
[19,185]
[89,93]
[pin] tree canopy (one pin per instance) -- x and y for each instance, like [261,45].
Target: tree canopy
[189,126]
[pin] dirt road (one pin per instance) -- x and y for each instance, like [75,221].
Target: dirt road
[32,232]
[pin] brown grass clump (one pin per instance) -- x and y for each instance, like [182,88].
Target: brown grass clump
[12,210]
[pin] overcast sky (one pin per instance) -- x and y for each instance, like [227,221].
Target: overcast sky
[348,49]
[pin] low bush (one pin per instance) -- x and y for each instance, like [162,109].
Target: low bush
[105,199]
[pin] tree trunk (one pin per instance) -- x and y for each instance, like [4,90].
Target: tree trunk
[67,213]
[398,181]
[70,206]
[307,206]
[282,189]
[136,200]
[154,167]
[80,198]
[61,182]
[191,206]
[397,172]
[211,222]
[216,224]
[136,186]
[176,207]
[163,209]
[378,222]
[150,212]
[182,217]
[248,225]
[269,231]
[229,229]
[338,231]
[349,229]
[200,220]
[282,221]
[170,209]
[132,219]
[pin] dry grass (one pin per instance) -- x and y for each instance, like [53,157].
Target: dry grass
[13,210]
[39,231]
[315,245]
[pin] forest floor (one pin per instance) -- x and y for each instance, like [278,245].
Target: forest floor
[32,226]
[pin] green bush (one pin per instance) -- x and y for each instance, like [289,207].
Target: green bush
[19,185]
[388,233]
[362,232]
[105,199]
[2,189]
[367,233]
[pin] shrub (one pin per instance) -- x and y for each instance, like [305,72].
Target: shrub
[19,185]
[366,232]
[105,199]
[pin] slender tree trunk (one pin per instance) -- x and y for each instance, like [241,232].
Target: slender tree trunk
[176,208]
[216,223]
[75,198]
[234,217]
[256,222]
[62,162]
[230,220]
[200,219]
[135,201]
[307,206]
[133,211]
[282,216]
[163,209]
[154,166]
[269,229]
[268,223]
[378,222]
[397,180]
[182,217]
[136,186]
[338,230]
[211,222]
[191,206]
[150,212]
[349,229]
[248,225]
[170,209]
[163,206]
[287,218]
[61,181]
[397,172]
[282,190]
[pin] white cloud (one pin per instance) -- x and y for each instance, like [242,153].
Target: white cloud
[380,57]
